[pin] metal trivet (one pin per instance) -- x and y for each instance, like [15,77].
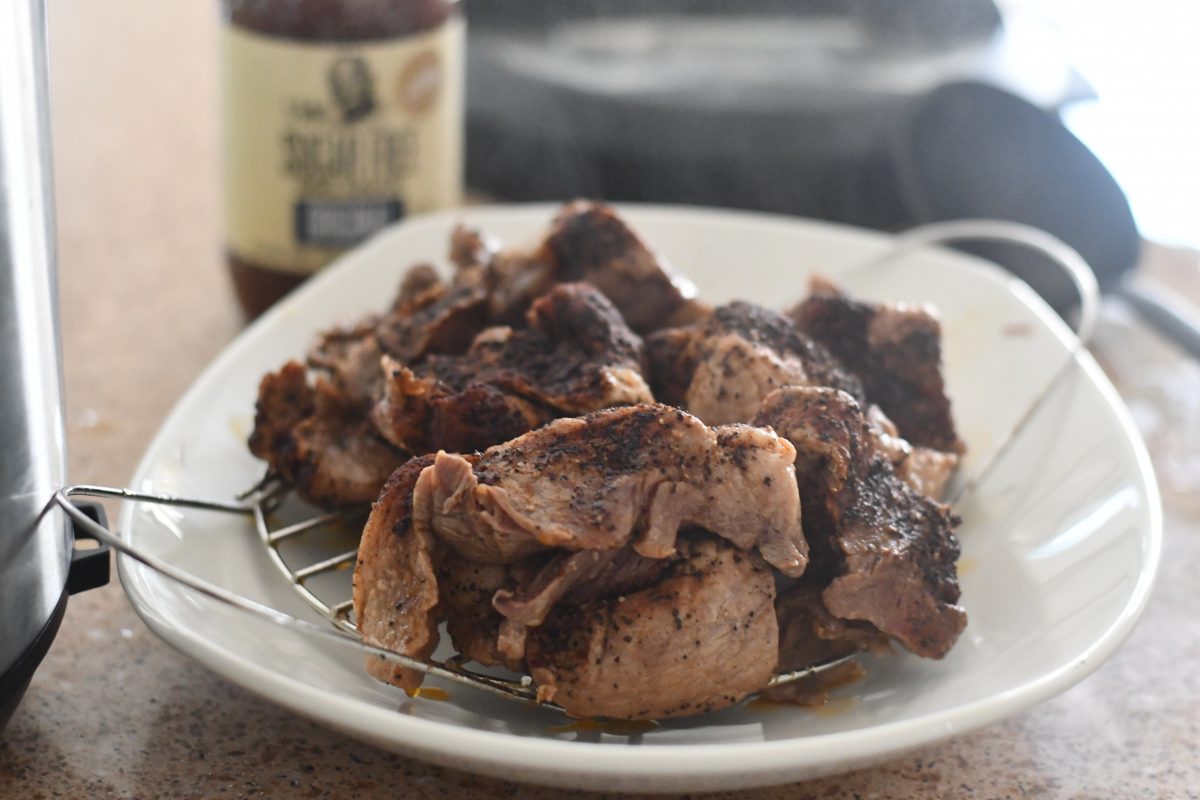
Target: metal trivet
[258,505]
[270,493]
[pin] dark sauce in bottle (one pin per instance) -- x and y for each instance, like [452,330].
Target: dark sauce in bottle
[341,116]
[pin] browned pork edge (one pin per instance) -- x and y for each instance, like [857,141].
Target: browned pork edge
[395,585]
[635,473]
[887,552]
[702,638]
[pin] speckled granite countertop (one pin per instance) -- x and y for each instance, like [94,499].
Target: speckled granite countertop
[114,712]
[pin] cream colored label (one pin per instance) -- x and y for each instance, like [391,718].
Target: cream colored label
[326,143]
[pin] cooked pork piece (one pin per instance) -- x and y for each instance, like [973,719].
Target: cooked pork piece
[636,473]
[427,316]
[702,638]
[466,590]
[349,358]
[922,468]
[436,318]
[318,441]
[577,578]
[417,281]
[472,247]
[670,363]
[887,551]
[722,368]
[426,413]
[928,471]
[577,355]
[895,350]
[808,635]
[588,242]
[489,607]
[284,401]
[395,587]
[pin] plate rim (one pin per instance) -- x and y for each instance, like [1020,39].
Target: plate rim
[498,753]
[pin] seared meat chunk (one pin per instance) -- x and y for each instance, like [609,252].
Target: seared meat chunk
[809,634]
[576,578]
[349,358]
[577,355]
[634,473]
[928,471]
[887,551]
[284,401]
[670,363]
[395,587]
[702,638]
[588,242]
[466,590]
[924,469]
[432,317]
[417,281]
[722,368]
[896,351]
[472,247]
[425,413]
[490,607]
[317,441]
[427,316]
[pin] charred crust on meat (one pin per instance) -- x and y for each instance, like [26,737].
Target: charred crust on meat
[588,241]
[895,350]
[721,368]
[884,553]
[576,355]
[317,440]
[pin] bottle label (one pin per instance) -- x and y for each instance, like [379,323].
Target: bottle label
[326,143]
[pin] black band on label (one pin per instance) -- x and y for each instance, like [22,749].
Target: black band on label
[340,223]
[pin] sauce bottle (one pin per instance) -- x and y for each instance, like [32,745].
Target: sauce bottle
[340,117]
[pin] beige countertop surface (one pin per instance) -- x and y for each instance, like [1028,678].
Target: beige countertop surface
[114,712]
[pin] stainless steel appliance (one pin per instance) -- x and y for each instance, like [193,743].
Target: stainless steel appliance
[39,566]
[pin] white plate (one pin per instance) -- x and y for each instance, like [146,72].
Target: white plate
[1060,544]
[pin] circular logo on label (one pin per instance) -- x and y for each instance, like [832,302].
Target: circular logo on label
[420,81]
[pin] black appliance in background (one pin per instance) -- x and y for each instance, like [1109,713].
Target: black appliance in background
[39,563]
[875,113]
[761,104]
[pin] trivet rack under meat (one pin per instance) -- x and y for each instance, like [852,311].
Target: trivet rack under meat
[270,494]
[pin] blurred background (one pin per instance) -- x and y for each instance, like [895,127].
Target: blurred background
[638,104]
